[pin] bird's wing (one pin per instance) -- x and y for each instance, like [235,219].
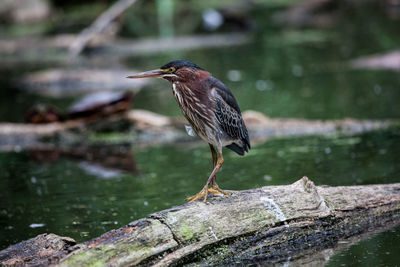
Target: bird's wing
[225,93]
[228,113]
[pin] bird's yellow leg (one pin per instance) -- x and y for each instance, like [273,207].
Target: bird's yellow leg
[204,192]
[213,154]
[215,188]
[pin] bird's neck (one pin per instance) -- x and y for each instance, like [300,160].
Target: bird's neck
[188,77]
[202,75]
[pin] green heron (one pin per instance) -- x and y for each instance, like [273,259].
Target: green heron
[210,108]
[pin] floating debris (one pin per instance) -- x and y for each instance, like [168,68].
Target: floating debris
[36,225]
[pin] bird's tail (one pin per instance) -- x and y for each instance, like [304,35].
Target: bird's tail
[239,149]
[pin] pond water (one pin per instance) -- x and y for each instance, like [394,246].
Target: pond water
[380,250]
[279,74]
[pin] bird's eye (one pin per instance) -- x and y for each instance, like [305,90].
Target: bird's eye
[171,69]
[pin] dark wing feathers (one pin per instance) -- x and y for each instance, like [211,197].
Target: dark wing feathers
[225,93]
[229,116]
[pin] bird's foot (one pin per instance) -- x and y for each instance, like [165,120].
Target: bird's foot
[218,190]
[204,193]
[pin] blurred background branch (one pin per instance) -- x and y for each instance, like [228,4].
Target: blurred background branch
[98,26]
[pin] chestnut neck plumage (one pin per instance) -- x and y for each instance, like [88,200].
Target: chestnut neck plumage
[188,75]
[191,90]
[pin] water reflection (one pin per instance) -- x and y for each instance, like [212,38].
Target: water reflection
[101,160]
[377,248]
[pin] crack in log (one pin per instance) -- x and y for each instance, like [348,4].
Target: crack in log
[162,221]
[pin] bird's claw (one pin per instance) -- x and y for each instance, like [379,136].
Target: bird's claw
[216,188]
[204,193]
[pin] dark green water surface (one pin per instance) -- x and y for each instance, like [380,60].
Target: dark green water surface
[283,72]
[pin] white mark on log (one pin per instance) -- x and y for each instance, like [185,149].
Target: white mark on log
[212,232]
[322,204]
[287,262]
[274,208]
[172,219]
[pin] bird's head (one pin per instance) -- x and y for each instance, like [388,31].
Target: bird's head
[177,70]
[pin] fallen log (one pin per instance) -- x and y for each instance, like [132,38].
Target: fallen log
[127,47]
[385,61]
[34,50]
[35,46]
[262,127]
[152,128]
[265,225]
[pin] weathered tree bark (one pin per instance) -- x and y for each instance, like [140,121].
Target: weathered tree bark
[268,225]
[43,249]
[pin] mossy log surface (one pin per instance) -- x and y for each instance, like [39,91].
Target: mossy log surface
[268,225]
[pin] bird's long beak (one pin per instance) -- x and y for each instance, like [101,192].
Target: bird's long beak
[150,73]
